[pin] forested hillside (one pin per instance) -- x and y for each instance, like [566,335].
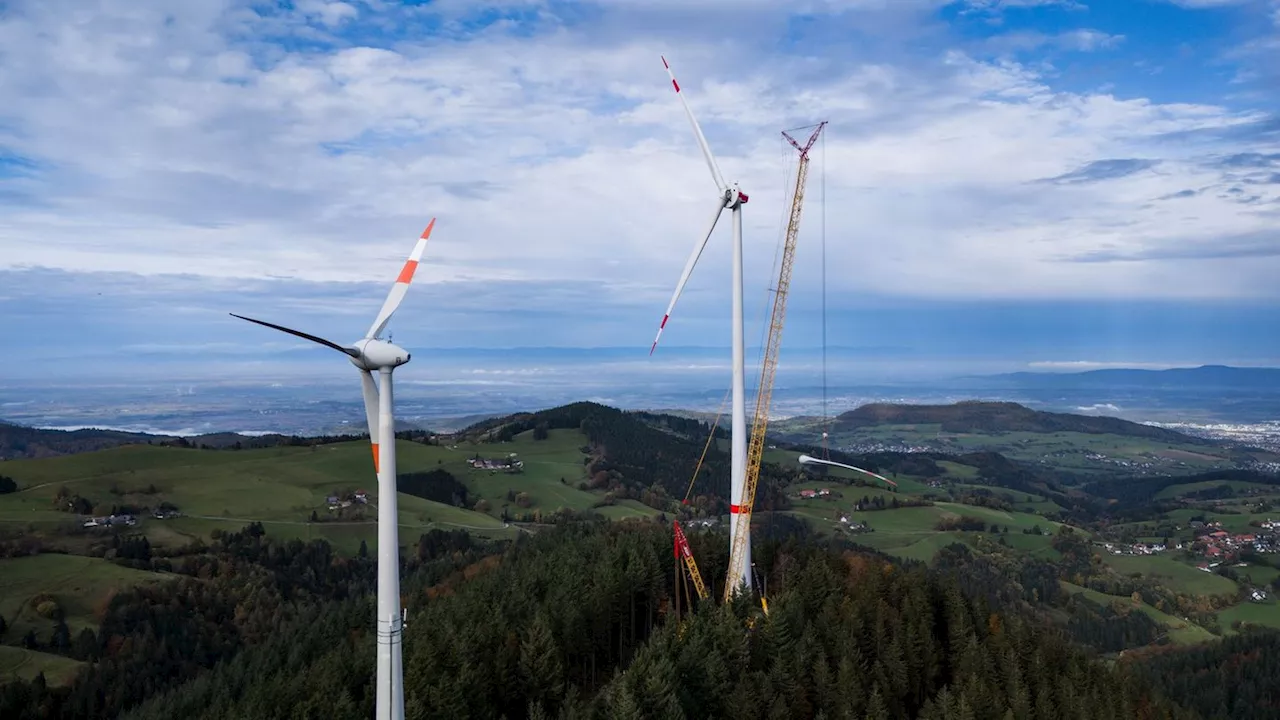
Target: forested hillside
[1231,680]
[980,416]
[976,601]
[20,441]
[576,623]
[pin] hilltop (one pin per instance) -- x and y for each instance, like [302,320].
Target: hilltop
[1204,376]
[18,441]
[987,417]
[22,442]
[1079,444]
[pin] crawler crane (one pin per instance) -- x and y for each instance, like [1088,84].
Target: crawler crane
[768,368]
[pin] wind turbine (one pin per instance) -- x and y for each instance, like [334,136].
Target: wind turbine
[732,198]
[371,354]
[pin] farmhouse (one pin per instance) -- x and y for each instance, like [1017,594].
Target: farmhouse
[509,464]
[109,521]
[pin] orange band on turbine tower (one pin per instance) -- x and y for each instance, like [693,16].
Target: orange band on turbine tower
[375,458]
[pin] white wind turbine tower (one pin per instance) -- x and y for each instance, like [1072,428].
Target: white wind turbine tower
[372,354]
[731,197]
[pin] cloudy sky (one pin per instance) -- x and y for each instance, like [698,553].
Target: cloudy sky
[1035,181]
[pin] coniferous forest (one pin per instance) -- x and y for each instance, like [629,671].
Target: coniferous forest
[577,622]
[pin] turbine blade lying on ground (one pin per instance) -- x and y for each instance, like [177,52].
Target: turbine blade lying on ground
[401,285]
[305,336]
[807,460]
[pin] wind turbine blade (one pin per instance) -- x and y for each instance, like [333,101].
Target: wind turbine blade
[807,460]
[371,412]
[298,333]
[688,270]
[401,285]
[697,130]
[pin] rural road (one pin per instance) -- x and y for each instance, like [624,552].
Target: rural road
[338,522]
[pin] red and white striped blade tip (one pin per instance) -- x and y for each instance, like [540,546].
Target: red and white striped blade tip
[658,337]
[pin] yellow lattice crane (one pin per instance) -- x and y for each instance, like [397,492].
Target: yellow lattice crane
[768,368]
[683,552]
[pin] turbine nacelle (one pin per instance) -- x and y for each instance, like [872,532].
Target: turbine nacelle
[375,354]
[733,197]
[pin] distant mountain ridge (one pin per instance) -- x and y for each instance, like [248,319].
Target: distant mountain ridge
[21,441]
[1204,376]
[983,416]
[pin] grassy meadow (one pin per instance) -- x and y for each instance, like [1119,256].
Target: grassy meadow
[281,487]
[80,586]
[17,663]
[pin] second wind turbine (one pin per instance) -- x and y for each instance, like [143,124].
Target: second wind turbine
[732,198]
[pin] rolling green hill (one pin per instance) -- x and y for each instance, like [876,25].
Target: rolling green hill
[1077,444]
[991,417]
[1039,530]
[20,441]
[78,588]
[23,664]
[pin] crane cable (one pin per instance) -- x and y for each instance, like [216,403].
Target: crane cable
[769,290]
[710,437]
[826,418]
[768,293]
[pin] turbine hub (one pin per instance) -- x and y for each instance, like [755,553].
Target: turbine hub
[733,197]
[375,354]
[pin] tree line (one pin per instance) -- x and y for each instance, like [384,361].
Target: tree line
[577,622]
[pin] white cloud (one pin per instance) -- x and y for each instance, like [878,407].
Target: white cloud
[1197,4]
[329,12]
[999,5]
[1082,365]
[1082,40]
[175,138]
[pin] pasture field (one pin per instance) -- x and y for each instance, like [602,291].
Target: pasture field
[958,471]
[79,585]
[1181,632]
[1266,614]
[18,663]
[1231,522]
[1024,501]
[1240,486]
[1178,577]
[627,509]
[1258,574]
[1065,450]
[922,547]
[843,496]
[911,532]
[553,468]
[281,486]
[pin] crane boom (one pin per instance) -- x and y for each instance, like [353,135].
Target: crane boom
[683,552]
[769,367]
